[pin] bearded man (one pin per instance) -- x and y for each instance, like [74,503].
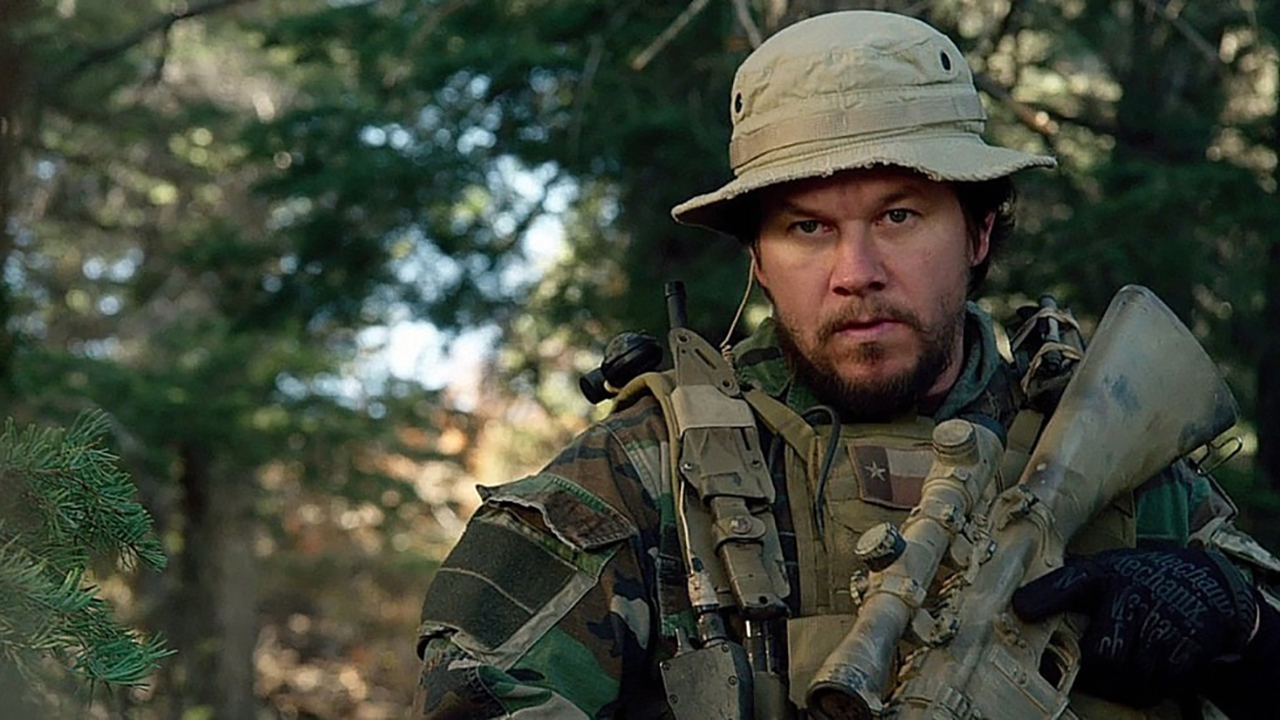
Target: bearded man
[871,208]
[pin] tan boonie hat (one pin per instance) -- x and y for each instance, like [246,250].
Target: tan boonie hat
[851,90]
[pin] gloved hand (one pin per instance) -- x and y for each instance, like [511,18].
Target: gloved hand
[1249,688]
[1159,620]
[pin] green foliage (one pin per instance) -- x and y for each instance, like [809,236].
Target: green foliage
[207,212]
[436,112]
[65,502]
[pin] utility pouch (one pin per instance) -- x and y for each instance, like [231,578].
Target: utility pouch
[809,641]
[721,460]
[723,497]
[707,684]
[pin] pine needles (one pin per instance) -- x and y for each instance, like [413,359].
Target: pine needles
[64,502]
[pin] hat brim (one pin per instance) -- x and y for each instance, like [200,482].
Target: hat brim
[951,158]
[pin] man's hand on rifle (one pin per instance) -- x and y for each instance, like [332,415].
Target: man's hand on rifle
[1162,622]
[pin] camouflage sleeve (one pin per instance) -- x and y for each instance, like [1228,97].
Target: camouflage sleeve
[1177,502]
[1185,507]
[545,608]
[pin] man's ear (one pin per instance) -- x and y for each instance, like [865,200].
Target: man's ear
[982,244]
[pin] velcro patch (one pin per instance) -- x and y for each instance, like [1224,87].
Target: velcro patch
[494,582]
[889,476]
[580,519]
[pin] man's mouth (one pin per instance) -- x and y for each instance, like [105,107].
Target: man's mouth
[867,329]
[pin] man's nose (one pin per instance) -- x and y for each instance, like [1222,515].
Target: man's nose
[858,265]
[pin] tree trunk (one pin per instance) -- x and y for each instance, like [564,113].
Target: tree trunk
[1268,409]
[13,91]
[219,590]
[13,15]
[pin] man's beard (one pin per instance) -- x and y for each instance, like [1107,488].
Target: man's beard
[876,399]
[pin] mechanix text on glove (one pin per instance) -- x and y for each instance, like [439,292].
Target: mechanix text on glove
[1156,618]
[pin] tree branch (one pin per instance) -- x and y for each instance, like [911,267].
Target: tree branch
[642,59]
[1037,120]
[162,23]
[747,23]
[1041,120]
[428,27]
[594,56]
[583,91]
[991,38]
[1184,28]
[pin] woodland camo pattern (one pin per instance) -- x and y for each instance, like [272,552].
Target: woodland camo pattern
[567,590]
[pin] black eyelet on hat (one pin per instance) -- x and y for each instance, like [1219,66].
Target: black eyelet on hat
[946,60]
[737,103]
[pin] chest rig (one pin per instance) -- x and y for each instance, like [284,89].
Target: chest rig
[844,482]
[721,506]
[840,481]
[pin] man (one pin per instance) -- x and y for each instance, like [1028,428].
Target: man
[870,207]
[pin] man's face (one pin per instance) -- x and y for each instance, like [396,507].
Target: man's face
[867,271]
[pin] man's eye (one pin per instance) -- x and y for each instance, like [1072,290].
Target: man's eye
[897,216]
[807,227]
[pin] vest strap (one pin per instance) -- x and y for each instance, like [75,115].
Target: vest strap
[782,420]
[811,549]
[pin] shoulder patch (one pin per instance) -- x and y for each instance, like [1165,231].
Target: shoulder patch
[575,516]
[504,585]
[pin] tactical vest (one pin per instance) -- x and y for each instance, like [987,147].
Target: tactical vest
[876,476]
[838,488]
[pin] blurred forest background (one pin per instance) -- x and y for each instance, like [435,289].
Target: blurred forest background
[214,212]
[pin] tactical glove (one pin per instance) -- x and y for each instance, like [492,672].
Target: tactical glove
[1160,621]
[1248,688]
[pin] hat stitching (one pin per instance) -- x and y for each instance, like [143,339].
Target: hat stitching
[823,146]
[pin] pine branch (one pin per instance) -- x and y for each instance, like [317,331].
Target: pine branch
[64,500]
[83,499]
[42,616]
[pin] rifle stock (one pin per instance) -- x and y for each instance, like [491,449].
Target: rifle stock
[1144,395]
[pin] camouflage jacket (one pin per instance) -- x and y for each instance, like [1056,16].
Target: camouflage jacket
[567,588]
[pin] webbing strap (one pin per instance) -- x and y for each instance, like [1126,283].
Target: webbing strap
[782,420]
[720,531]
[811,548]
[1033,368]
[1023,432]
[1028,325]
[660,385]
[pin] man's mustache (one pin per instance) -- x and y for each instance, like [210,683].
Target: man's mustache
[866,312]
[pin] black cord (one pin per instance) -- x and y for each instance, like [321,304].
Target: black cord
[820,499]
[776,445]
